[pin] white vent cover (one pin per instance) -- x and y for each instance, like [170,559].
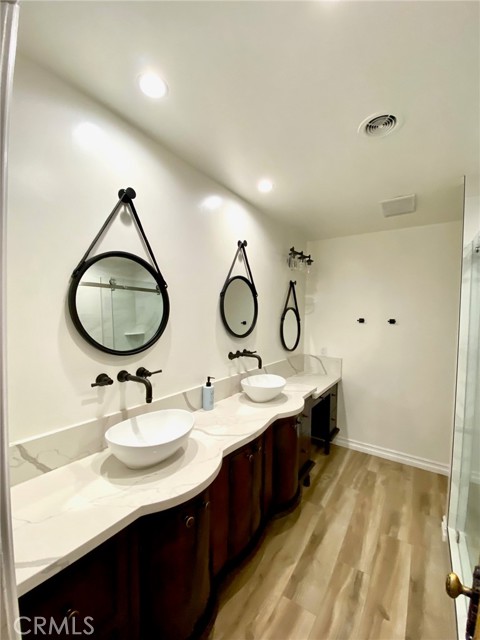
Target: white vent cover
[378,125]
[398,206]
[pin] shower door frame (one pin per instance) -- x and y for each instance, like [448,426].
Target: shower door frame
[467,406]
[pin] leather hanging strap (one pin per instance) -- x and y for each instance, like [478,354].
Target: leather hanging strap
[126,198]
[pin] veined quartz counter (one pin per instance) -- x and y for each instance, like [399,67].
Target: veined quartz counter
[62,515]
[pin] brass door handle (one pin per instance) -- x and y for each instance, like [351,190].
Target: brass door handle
[455,588]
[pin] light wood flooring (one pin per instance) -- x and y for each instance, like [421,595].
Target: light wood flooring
[361,558]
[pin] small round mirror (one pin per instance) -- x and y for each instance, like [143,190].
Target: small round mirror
[290,329]
[239,307]
[118,303]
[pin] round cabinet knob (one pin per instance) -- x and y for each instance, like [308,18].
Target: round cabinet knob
[250,457]
[206,505]
[455,588]
[72,613]
[189,522]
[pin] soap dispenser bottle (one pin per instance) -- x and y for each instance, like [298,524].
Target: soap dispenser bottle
[208,394]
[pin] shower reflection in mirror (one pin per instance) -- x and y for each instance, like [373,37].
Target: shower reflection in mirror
[119,304]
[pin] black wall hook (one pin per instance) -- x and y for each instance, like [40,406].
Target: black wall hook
[361,320]
[392,321]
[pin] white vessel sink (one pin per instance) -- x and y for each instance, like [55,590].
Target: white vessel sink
[149,438]
[263,387]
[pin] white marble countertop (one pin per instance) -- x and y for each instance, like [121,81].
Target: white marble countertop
[62,515]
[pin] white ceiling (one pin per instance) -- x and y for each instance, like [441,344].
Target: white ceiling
[279,89]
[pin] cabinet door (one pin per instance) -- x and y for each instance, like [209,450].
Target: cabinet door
[174,570]
[94,597]
[246,478]
[257,485]
[305,436]
[219,504]
[241,467]
[267,496]
[285,462]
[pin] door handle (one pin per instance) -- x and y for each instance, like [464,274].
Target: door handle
[455,588]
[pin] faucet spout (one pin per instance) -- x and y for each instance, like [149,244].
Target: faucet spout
[246,354]
[123,376]
[253,354]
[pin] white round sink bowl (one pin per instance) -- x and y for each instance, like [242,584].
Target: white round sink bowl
[149,438]
[263,387]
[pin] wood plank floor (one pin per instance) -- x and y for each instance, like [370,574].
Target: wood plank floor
[360,559]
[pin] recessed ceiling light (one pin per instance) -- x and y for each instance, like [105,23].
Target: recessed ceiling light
[265,185]
[152,85]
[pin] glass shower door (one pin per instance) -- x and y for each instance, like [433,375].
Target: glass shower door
[464,504]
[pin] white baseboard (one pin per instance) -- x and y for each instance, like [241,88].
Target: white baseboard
[395,456]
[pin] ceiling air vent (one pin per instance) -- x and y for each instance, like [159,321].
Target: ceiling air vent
[398,206]
[378,126]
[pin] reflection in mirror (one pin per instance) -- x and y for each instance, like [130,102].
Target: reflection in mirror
[118,303]
[238,298]
[290,321]
[239,307]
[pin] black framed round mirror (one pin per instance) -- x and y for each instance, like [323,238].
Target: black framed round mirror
[290,329]
[239,306]
[290,320]
[118,303]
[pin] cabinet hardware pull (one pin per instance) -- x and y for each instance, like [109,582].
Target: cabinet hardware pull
[72,613]
[250,457]
[259,449]
[189,522]
[206,505]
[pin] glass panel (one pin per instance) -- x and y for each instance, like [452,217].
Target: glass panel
[464,505]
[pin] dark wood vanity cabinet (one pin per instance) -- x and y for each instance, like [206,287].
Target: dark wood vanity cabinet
[305,439]
[324,419]
[154,579]
[96,597]
[285,463]
[245,479]
[267,497]
[174,570]
[220,498]
[241,497]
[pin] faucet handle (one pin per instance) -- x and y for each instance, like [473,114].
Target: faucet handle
[145,373]
[102,380]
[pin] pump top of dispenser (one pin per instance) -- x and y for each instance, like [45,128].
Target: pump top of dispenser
[208,383]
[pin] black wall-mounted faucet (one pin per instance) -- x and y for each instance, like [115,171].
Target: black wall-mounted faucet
[124,376]
[246,354]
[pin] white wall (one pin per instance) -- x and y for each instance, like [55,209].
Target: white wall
[60,193]
[398,380]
